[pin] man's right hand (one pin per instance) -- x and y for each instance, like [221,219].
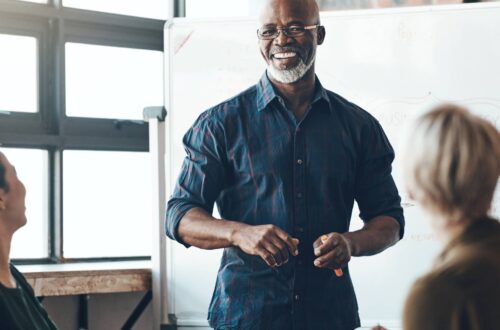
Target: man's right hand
[269,242]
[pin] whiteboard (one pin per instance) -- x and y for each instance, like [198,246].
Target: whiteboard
[395,63]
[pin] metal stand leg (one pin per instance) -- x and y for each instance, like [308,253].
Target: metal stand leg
[83,312]
[138,311]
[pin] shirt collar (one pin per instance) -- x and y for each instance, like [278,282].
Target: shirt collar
[266,93]
[321,94]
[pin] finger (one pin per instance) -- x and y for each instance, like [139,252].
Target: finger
[283,248]
[292,243]
[318,242]
[334,240]
[326,245]
[267,257]
[327,261]
[296,244]
[278,249]
[324,261]
[274,251]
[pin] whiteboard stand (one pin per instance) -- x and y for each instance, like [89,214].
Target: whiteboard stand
[156,118]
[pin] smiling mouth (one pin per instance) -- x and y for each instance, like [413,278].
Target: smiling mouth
[281,56]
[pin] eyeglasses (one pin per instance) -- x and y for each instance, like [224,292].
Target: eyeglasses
[271,32]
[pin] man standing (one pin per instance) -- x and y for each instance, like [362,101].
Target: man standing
[285,160]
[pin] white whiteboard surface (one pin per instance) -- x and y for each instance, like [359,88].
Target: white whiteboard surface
[394,63]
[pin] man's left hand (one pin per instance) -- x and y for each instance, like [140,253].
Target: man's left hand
[334,252]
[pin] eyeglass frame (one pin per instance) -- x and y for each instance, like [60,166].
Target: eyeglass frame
[284,29]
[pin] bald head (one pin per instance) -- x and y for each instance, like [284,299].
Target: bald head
[307,9]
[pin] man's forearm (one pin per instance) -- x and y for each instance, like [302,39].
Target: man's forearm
[269,242]
[378,234]
[198,228]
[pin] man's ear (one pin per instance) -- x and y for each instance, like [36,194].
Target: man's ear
[321,34]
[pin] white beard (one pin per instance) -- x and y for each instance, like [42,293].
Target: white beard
[289,76]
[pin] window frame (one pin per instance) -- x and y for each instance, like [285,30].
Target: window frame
[53,25]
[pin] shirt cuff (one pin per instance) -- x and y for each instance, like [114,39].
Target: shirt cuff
[399,217]
[173,218]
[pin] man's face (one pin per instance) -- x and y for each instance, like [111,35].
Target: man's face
[289,58]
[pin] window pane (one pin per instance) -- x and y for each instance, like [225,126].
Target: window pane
[222,8]
[107,204]
[112,82]
[31,241]
[37,1]
[326,5]
[18,73]
[144,8]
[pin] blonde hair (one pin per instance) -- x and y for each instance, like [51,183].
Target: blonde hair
[452,163]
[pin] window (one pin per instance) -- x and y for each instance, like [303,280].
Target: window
[18,78]
[111,82]
[106,194]
[326,5]
[73,86]
[37,1]
[143,8]
[222,8]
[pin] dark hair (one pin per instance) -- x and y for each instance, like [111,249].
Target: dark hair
[3,182]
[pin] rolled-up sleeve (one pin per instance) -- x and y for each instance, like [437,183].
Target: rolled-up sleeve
[376,192]
[202,174]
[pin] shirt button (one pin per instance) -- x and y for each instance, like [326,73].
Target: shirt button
[297,297]
[299,262]
[299,229]
[299,161]
[299,195]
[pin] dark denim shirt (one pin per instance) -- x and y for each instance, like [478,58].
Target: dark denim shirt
[262,166]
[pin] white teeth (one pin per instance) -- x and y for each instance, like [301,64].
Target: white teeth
[285,55]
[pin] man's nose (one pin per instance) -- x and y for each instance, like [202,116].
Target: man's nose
[281,39]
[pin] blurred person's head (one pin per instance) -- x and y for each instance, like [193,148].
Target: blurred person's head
[12,198]
[452,165]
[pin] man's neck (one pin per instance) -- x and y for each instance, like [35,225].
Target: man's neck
[298,96]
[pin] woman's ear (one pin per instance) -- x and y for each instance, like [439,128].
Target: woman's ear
[2,200]
[410,194]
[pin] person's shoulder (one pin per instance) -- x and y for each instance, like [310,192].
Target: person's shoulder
[350,110]
[361,125]
[16,273]
[484,231]
[470,271]
[20,279]
[433,283]
[230,109]
[428,302]
[442,294]
[478,248]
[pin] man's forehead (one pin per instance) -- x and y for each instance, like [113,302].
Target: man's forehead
[287,11]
